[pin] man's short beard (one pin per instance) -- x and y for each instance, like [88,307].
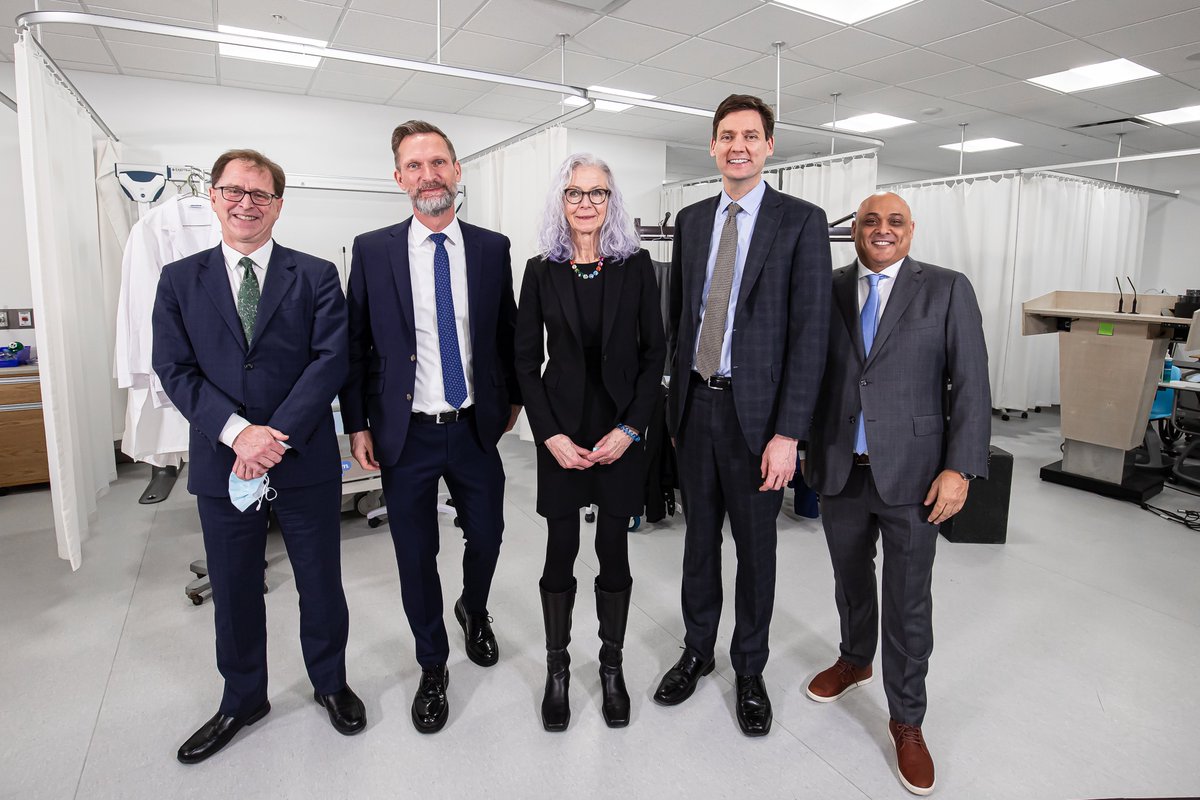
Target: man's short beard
[435,206]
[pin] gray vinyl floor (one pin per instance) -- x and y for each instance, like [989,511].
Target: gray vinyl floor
[1065,665]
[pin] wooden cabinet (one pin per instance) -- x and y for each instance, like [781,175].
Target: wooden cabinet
[22,434]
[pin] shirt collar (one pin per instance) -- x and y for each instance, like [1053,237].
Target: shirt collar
[261,257]
[420,233]
[749,203]
[892,270]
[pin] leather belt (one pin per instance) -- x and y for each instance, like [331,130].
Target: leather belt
[862,459]
[446,417]
[718,382]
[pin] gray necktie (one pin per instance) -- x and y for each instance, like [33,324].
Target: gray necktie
[248,296]
[716,309]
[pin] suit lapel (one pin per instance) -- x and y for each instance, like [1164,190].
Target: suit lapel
[612,296]
[398,255]
[909,281]
[281,274]
[697,266]
[473,250]
[215,279]
[561,276]
[770,213]
[845,290]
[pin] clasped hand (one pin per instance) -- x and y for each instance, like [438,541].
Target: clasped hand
[258,449]
[571,456]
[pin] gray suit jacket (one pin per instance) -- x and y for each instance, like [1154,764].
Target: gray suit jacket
[930,332]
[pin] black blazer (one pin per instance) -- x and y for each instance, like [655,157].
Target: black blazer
[632,353]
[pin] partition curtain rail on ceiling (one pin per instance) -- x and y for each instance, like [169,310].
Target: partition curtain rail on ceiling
[61,78]
[8,101]
[30,18]
[778,169]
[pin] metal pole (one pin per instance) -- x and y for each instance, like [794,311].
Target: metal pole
[778,93]
[1117,165]
[962,145]
[562,63]
[439,31]
[833,139]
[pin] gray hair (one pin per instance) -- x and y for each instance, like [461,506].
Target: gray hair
[618,239]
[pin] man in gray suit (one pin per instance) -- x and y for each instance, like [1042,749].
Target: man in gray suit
[892,459]
[746,337]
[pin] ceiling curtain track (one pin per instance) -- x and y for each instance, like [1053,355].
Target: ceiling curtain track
[24,21]
[61,77]
[8,101]
[779,169]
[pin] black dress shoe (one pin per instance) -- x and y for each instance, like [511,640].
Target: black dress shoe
[481,642]
[430,707]
[215,734]
[346,711]
[680,681]
[753,705]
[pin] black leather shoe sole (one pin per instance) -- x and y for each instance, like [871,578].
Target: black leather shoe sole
[678,696]
[482,659]
[215,743]
[340,724]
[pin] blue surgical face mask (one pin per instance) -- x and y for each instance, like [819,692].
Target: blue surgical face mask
[245,493]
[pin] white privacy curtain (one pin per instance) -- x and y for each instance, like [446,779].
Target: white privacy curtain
[837,184]
[506,192]
[59,182]
[1020,236]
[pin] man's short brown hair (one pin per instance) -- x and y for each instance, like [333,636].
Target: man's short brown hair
[412,128]
[745,102]
[257,159]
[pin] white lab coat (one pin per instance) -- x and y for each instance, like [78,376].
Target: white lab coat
[155,431]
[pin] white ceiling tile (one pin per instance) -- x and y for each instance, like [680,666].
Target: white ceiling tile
[534,21]
[162,10]
[454,12]
[1063,111]
[160,59]
[907,66]
[504,106]
[582,69]
[770,23]
[706,94]
[1190,77]
[79,49]
[849,86]
[649,80]
[626,41]
[438,93]
[169,76]
[154,40]
[685,16]
[536,95]
[1016,35]
[356,86]
[700,56]
[1027,6]
[388,35]
[1132,40]
[300,18]
[1003,98]
[1047,60]
[238,71]
[1172,59]
[845,48]
[967,79]
[619,123]
[1145,96]
[79,65]
[1087,17]
[900,102]
[761,74]
[264,87]
[490,53]
[931,20]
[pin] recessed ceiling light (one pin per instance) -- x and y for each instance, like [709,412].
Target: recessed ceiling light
[1093,76]
[272,56]
[865,123]
[847,13]
[280,37]
[601,105]
[979,145]
[1176,116]
[622,93]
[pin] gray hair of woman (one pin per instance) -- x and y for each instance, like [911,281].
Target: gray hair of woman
[618,239]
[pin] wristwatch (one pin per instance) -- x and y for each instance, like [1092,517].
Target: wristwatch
[966,476]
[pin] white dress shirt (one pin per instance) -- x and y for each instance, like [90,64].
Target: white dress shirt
[429,395]
[261,258]
[885,287]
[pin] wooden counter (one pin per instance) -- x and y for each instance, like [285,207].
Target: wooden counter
[22,433]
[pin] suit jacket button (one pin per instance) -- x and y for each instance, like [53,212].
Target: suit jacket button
[249,366]
[862,383]
[413,357]
[408,397]
[852,420]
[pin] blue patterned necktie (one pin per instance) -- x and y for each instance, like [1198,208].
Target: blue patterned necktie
[454,383]
[869,319]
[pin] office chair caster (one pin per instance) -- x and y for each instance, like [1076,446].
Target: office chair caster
[634,523]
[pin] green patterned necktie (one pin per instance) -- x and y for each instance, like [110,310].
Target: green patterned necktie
[248,298]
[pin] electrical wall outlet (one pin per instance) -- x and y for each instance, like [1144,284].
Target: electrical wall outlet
[3,318]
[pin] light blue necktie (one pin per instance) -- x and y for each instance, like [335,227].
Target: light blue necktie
[869,319]
[454,383]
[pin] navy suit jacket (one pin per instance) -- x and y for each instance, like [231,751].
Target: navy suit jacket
[780,324]
[931,332]
[287,378]
[378,394]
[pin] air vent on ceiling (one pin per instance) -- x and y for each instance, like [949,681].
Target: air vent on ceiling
[1122,125]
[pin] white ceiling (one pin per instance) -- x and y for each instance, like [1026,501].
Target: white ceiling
[941,62]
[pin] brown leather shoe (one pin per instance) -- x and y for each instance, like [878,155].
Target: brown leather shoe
[834,682]
[913,762]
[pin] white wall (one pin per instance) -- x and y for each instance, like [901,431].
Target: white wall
[15,289]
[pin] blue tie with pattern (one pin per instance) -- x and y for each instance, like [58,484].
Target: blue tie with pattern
[869,319]
[454,383]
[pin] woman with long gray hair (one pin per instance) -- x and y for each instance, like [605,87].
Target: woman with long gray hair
[592,294]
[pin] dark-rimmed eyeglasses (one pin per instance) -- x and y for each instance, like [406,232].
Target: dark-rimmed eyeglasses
[234,194]
[575,196]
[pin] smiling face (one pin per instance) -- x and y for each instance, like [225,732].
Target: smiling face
[245,227]
[741,149]
[586,217]
[882,231]
[426,170]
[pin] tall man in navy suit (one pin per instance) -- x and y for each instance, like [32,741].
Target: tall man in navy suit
[892,453]
[747,329]
[250,344]
[432,387]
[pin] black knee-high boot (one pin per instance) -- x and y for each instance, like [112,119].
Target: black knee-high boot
[556,614]
[613,610]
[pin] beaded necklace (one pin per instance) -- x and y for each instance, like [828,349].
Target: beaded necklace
[587,275]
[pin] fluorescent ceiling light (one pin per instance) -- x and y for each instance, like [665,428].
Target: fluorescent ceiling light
[273,56]
[979,145]
[279,37]
[848,12]
[865,123]
[1093,76]
[601,105]
[622,93]
[1176,116]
